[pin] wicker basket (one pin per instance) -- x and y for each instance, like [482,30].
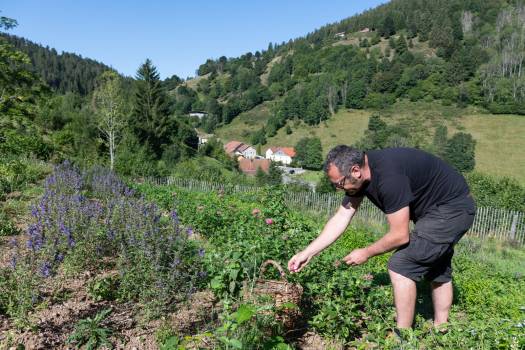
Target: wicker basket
[281,292]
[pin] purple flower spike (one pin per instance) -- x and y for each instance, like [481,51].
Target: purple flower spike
[34,211]
[70,241]
[59,257]
[175,217]
[201,252]
[45,269]
[65,230]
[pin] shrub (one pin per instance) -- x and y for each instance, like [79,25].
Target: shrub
[490,191]
[18,144]
[7,226]
[17,172]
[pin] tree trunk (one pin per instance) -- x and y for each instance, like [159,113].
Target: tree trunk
[112,149]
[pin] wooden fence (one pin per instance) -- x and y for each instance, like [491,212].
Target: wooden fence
[496,223]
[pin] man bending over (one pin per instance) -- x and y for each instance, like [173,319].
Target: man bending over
[406,184]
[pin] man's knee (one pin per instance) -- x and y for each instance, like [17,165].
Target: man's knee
[435,284]
[398,278]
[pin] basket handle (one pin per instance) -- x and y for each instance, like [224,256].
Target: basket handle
[276,265]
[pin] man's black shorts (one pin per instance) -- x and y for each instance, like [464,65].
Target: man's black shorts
[431,247]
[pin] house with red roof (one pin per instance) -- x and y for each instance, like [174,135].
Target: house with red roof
[237,148]
[283,155]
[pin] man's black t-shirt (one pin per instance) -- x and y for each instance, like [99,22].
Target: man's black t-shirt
[403,177]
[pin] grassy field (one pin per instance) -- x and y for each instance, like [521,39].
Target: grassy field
[343,127]
[243,125]
[497,136]
[500,147]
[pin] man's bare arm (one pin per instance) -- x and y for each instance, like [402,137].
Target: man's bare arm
[330,233]
[334,227]
[397,234]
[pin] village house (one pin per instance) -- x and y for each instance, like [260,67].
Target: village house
[203,138]
[365,30]
[237,148]
[198,114]
[340,35]
[283,155]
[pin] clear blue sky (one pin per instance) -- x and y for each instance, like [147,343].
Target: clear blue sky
[177,35]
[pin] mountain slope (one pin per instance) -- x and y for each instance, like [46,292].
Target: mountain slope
[444,55]
[63,72]
[468,53]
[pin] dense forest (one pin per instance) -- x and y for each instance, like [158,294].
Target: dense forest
[62,106]
[65,72]
[455,52]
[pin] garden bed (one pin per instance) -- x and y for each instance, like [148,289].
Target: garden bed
[159,267]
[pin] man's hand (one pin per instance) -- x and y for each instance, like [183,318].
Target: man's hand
[298,262]
[357,257]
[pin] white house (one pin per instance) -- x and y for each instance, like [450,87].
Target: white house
[238,148]
[340,35]
[283,155]
[203,138]
[198,114]
[246,151]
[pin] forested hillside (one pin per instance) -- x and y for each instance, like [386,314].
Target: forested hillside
[62,106]
[453,52]
[63,72]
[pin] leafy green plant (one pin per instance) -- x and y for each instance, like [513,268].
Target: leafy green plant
[104,288]
[248,327]
[91,332]
[166,337]
[228,279]
[7,226]
[18,293]
[172,343]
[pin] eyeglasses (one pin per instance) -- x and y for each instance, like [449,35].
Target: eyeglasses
[341,184]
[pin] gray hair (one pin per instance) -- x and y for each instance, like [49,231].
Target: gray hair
[344,157]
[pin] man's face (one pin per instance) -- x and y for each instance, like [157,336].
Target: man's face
[350,183]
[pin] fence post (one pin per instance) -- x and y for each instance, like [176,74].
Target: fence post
[513,226]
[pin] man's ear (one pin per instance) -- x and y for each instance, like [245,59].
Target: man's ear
[356,171]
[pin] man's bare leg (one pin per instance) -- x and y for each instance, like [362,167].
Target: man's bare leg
[442,299]
[404,299]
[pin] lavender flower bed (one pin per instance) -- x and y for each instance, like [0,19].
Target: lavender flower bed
[91,219]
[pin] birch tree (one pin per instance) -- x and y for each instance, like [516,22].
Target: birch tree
[108,104]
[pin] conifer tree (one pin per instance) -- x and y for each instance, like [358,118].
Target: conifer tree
[274,175]
[150,121]
[401,45]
